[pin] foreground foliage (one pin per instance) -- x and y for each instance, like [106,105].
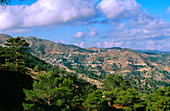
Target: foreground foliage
[56,93]
[49,93]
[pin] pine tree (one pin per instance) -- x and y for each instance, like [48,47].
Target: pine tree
[50,93]
[36,68]
[115,81]
[159,101]
[119,94]
[130,99]
[95,102]
[2,57]
[15,53]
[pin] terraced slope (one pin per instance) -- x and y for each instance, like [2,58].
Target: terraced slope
[146,69]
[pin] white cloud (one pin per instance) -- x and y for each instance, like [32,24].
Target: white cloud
[148,22]
[79,35]
[118,9]
[121,26]
[76,44]
[112,43]
[143,27]
[45,12]
[118,44]
[93,32]
[60,41]
[81,44]
[140,33]
[140,24]
[58,11]
[98,44]
[157,45]
[108,44]
[10,16]
[164,47]
[150,45]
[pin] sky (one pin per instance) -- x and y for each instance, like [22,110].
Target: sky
[135,24]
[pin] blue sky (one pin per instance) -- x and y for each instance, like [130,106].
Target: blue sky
[136,24]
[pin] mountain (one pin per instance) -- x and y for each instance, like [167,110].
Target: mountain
[29,83]
[3,38]
[42,47]
[143,69]
[153,52]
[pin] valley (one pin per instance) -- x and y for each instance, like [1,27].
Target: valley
[143,69]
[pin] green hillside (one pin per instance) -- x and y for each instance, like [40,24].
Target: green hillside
[29,83]
[147,71]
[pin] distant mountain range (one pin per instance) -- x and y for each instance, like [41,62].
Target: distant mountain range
[141,66]
[154,52]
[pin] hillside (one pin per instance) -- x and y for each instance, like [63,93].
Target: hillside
[45,49]
[3,38]
[13,81]
[30,84]
[150,70]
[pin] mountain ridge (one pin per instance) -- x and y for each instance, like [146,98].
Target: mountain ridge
[103,61]
[6,36]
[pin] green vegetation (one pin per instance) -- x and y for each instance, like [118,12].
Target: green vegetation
[119,92]
[50,92]
[15,53]
[159,101]
[95,102]
[45,87]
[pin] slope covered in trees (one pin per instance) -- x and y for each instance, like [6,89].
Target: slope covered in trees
[51,88]
[145,71]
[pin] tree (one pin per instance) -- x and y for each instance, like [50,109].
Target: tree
[36,68]
[17,42]
[130,99]
[15,53]
[2,57]
[95,102]
[49,93]
[120,95]
[101,59]
[115,81]
[159,101]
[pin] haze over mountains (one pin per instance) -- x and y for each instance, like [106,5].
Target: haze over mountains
[143,67]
